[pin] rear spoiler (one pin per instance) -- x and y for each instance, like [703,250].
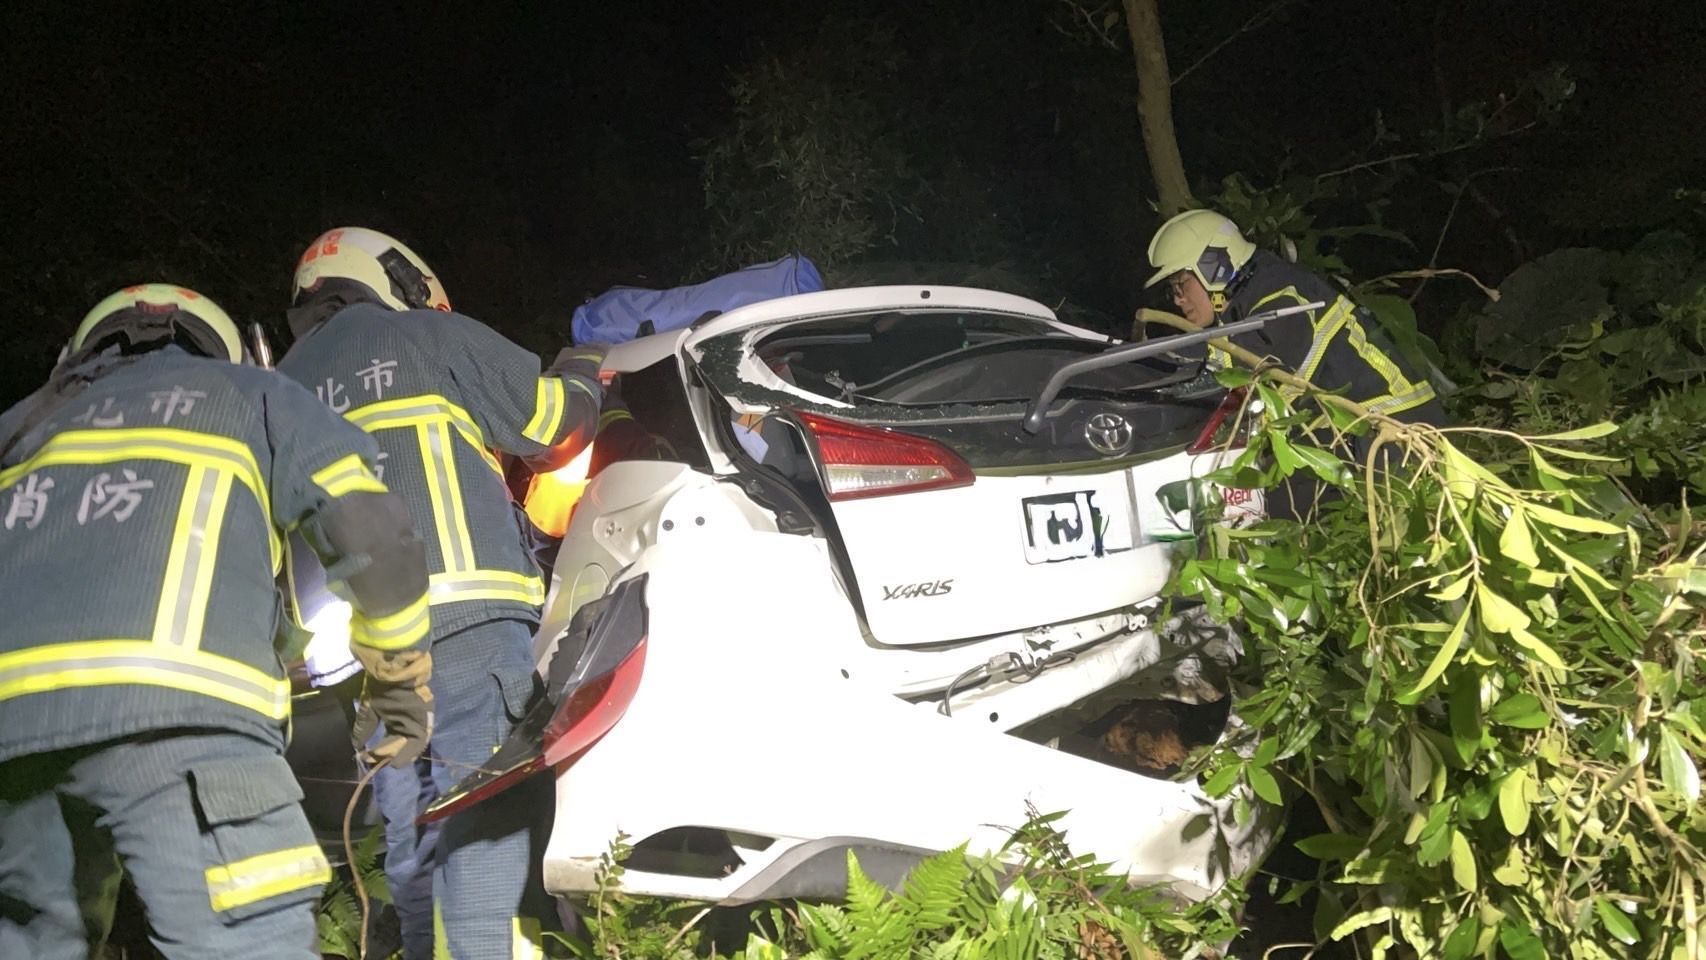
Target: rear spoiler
[1149,348]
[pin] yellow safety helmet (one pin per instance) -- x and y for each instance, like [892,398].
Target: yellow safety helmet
[193,321]
[1203,242]
[381,264]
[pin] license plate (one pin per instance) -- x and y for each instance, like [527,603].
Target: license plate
[1071,526]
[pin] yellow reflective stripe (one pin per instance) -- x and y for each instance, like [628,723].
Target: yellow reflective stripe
[1382,364]
[427,408]
[1397,403]
[426,436]
[609,417]
[527,941]
[548,405]
[268,875]
[451,587]
[1331,323]
[186,447]
[347,475]
[457,513]
[393,631]
[188,583]
[99,663]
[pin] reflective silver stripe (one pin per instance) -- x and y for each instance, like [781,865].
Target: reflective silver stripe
[190,561]
[1403,401]
[127,443]
[266,876]
[1331,324]
[449,588]
[438,446]
[548,415]
[579,385]
[136,667]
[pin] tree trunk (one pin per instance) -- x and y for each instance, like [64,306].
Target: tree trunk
[1155,106]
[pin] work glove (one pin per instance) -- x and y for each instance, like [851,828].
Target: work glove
[394,693]
[582,360]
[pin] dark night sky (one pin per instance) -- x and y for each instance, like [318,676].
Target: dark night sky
[537,153]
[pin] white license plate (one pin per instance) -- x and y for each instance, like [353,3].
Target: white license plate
[1070,526]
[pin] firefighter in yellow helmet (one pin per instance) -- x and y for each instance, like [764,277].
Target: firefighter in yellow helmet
[145,491]
[1216,276]
[438,391]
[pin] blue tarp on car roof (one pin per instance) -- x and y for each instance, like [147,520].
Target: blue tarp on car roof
[623,313]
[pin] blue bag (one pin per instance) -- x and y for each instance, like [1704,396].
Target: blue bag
[622,313]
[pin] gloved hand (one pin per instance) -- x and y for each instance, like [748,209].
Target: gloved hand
[581,360]
[395,693]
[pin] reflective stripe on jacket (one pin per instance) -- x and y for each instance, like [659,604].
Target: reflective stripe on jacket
[440,393]
[1329,347]
[140,532]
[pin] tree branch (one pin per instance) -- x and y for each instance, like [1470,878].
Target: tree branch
[1259,19]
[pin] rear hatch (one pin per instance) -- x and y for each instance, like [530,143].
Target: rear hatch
[903,426]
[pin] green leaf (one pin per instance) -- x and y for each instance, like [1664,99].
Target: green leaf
[1234,377]
[1546,467]
[1522,710]
[1579,454]
[1537,647]
[1519,942]
[1616,922]
[1498,614]
[1265,785]
[1464,710]
[1443,658]
[1570,521]
[1462,861]
[1461,942]
[1513,802]
[1676,769]
[1516,542]
[1266,752]
[1332,846]
[1358,921]
[1323,464]
[1222,780]
[1435,843]
[1453,591]
[1591,432]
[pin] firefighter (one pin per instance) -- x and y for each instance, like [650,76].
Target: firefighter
[1216,276]
[376,338]
[144,495]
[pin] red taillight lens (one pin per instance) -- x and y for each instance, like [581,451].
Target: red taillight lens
[593,708]
[860,461]
[1229,407]
[592,682]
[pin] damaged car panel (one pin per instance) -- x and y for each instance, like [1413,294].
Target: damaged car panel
[857,561]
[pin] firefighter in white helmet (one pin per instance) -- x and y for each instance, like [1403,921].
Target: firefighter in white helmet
[376,338]
[1216,276]
[145,492]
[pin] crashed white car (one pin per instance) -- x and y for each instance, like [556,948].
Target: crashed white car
[863,605]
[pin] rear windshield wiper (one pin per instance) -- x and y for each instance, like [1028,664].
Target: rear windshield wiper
[1149,348]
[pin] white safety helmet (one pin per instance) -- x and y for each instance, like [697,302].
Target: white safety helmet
[154,309]
[382,265]
[1204,243]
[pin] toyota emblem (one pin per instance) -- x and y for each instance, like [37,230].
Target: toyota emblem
[1108,433]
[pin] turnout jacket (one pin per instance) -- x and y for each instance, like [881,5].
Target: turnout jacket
[1330,346]
[141,527]
[439,392]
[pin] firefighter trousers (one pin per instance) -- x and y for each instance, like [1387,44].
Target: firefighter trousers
[206,823]
[487,893]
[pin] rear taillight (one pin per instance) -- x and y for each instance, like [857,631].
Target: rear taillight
[593,680]
[1209,438]
[860,461]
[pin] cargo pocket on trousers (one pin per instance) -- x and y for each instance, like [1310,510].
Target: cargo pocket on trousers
[260,851]
[518,689]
